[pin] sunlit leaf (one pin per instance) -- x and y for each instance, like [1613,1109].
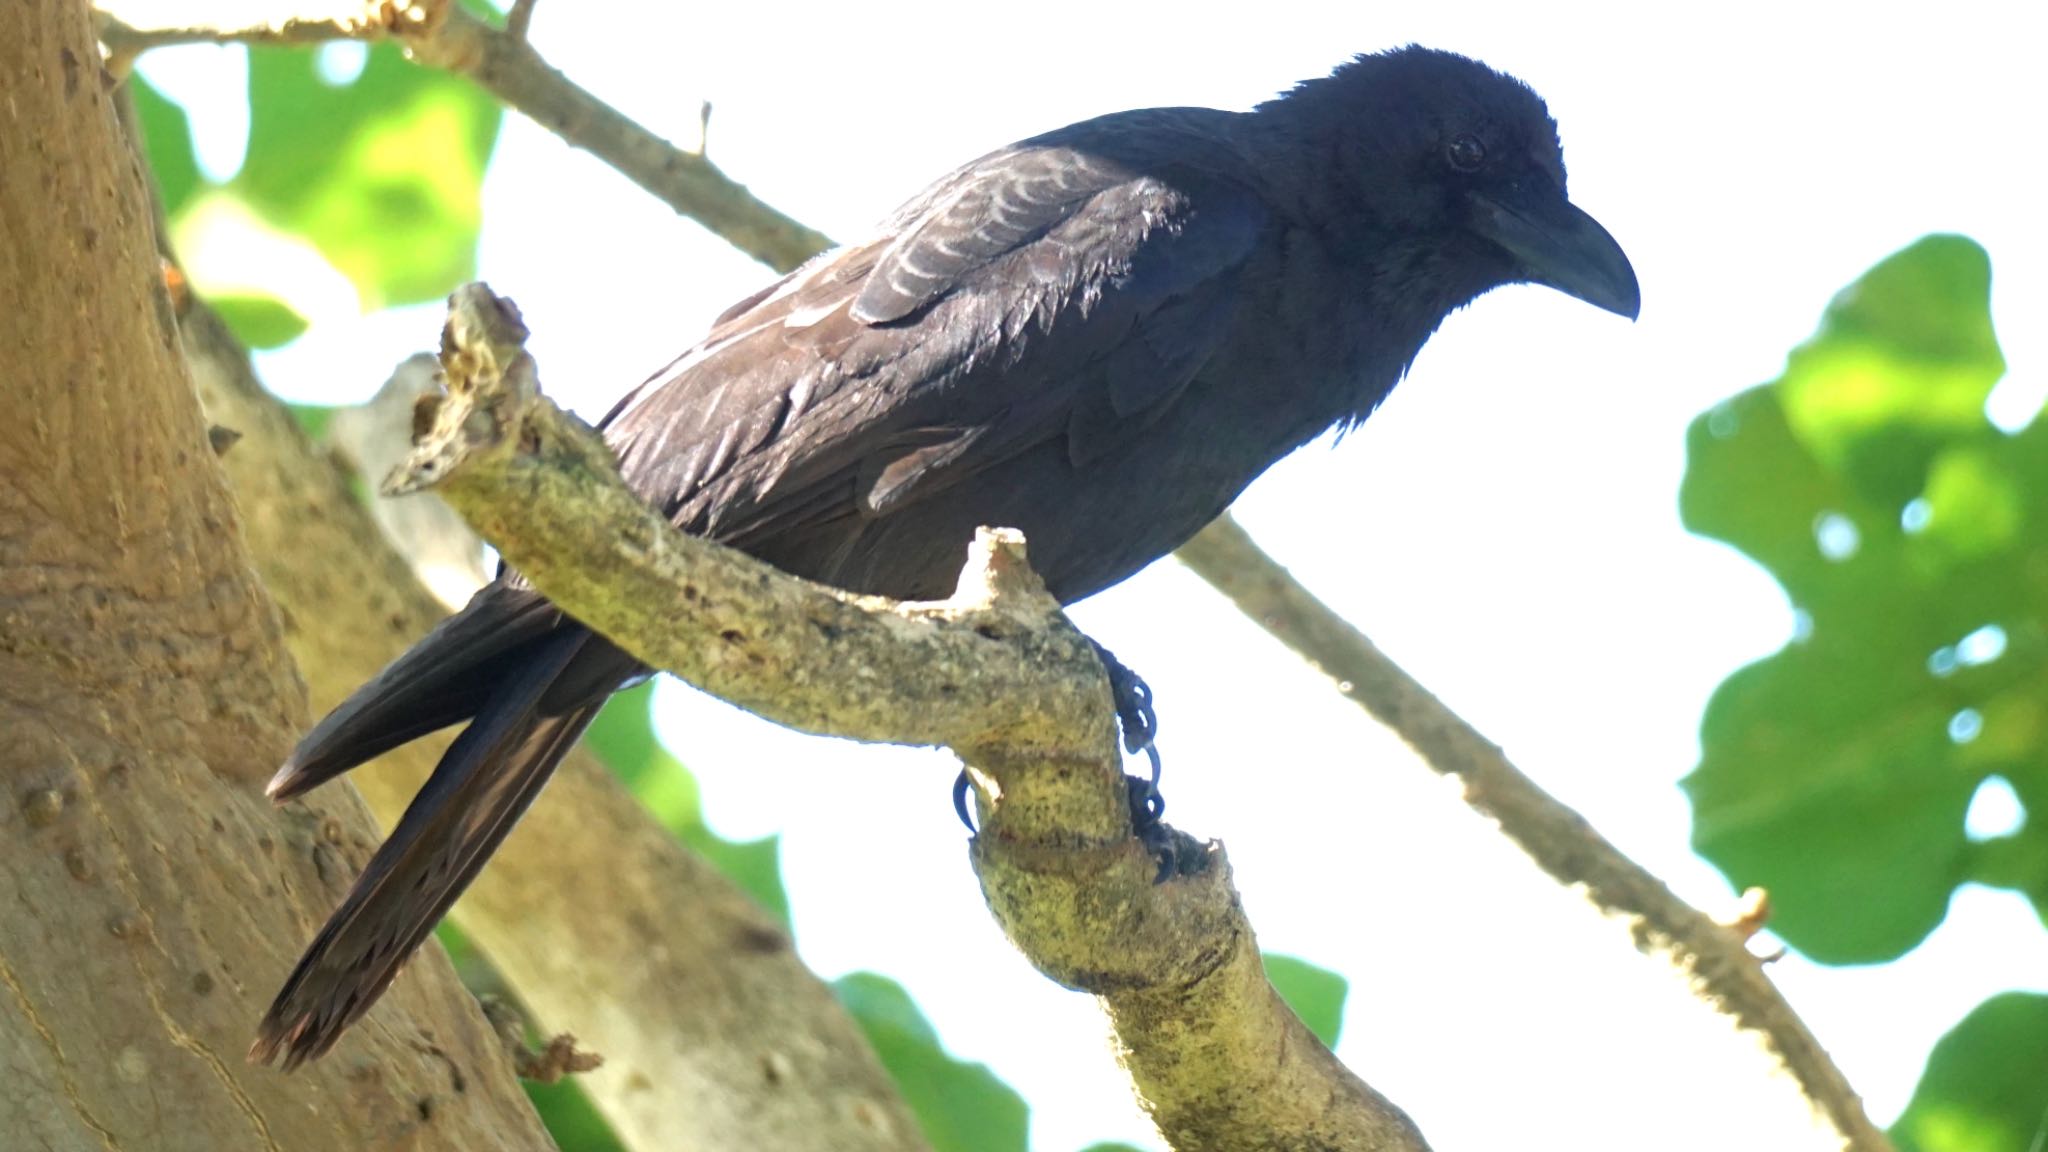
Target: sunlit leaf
[1911,535]
[312,419]
[259,321]
[382,173]
[962,1107]
[623,738]
[1985,1088]
[571,1118]
[1315,994]
[167,143]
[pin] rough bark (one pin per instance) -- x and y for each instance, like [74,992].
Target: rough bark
[146,887]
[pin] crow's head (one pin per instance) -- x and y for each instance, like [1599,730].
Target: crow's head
[1450,165]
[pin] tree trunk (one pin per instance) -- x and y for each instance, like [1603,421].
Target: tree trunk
[151,896]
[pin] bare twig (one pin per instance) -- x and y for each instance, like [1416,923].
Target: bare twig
[550,1062]
[138,25]
[1712,957]
[519,18]
[1218,1059]
[446,36]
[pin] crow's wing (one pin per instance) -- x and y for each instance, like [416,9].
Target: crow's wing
[1069,286]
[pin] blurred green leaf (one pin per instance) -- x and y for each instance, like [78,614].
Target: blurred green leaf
[312,419]
[1986,1084]
[962,1107]
[623,737]
[1111,1146]
[381,174]
[259,321]
[1911,535]
[1315,994]
[571,1118]
[167,143]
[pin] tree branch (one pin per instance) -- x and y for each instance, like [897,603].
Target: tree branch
[996,672]
[444,35]
[682,982]
[1712,957]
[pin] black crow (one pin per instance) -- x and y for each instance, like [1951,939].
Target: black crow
[1099,336]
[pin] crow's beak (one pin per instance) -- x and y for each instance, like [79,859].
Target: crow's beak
[1556,244]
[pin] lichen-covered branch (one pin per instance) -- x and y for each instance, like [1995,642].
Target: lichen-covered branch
[905,674]
[444,35]
[714,1034]
[995,672]
[1712,956]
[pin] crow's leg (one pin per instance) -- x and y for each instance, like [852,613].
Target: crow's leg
[1139,724]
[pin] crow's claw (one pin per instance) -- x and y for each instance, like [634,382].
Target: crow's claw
[960,803]
[1147,805]
[1178,853]
[1133,699]
[1140,727]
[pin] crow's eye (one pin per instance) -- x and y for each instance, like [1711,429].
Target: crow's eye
[1465,153]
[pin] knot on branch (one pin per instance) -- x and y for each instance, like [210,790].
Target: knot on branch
[404,18]
[492,410]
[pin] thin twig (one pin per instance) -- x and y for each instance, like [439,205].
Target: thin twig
[445,35]
[546,1064]
[519,19]
[1713,957]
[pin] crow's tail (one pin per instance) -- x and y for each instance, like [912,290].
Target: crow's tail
[529,702]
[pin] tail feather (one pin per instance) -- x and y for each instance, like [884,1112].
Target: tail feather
[484,782]
[449,676]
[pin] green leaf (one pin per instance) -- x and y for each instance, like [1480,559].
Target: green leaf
[381,174]
[1911,536]
[571,1118]
[962,1107]
[312,419]
[1985,1088]
[167,144]
[1315,994]
[259,321]
[623,738]
[1110,1146]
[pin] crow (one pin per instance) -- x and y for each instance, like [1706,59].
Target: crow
[1098,336]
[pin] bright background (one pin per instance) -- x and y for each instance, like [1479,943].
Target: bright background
[1506,526]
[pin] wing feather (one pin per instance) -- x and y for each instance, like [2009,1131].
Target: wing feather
[1065,287]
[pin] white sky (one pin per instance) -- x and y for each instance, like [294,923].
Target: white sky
[1506,526]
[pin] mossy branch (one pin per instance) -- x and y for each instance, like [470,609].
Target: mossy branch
[995,673]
